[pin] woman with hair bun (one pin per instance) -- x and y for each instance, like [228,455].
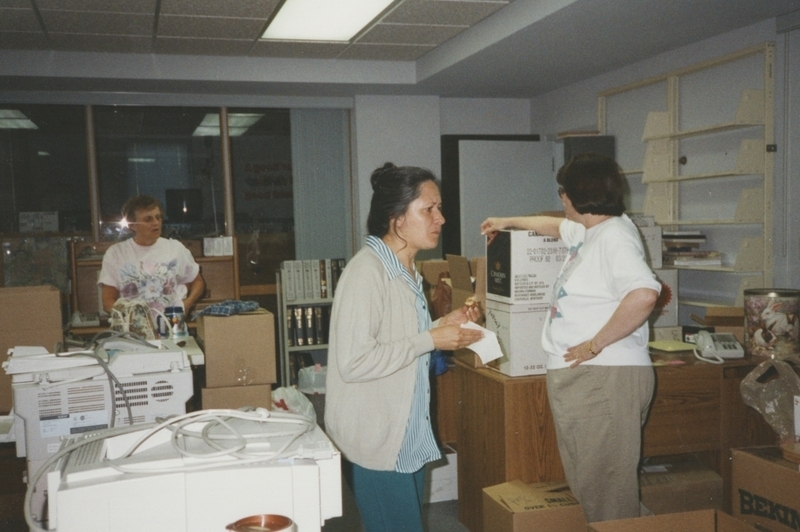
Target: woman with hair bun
[377,407]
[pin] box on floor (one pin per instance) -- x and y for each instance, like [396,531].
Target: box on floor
[697,521]
[680,485]
[239,349]
[766,489]
[544,507]
[29,315]
[234,397]
[441,480]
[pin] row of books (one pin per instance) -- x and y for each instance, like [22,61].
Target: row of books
[682,248]
[310,279]
[307,325]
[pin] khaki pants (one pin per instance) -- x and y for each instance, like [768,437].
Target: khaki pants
[598,413]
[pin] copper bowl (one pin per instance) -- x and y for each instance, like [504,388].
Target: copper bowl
[261,523]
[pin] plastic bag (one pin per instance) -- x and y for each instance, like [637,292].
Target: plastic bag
[770,389]
[293,401]
[134,316]
[311,379]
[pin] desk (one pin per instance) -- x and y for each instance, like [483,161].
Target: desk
[506,432]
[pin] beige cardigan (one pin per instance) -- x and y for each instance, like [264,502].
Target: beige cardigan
[373,349]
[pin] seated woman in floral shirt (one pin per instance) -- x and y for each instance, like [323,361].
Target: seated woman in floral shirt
[160,271]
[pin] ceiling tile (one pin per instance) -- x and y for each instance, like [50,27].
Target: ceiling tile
[189,46]
[106,43]
[19,40]
[98,6]
[210,27]
[457,13]
[410,34]
[97,23]
[220,8]
[385,52]
[18,20]
[310,50]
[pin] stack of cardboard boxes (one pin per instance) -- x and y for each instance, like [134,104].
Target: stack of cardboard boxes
[240,359]
[521,269]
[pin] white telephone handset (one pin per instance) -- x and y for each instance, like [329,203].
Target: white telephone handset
[715,348]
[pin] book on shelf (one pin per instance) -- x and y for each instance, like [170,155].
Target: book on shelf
[291,330]
[297,268]
[308,280]
[316,279]
[311,329]
[299,328]
[287,281]
[324,275]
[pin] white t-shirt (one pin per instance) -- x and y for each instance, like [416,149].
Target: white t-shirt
[158,273]
[604,264]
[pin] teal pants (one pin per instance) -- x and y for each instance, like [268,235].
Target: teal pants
[388,501]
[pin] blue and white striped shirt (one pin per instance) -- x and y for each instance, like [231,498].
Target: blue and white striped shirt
[419,445]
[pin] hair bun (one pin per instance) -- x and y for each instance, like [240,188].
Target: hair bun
[379,174]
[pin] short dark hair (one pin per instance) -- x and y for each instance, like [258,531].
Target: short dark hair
[139,203]
[594,184]
[393,190]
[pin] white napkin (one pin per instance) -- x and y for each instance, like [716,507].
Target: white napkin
[487,348]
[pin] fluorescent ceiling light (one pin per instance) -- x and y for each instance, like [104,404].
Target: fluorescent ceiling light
[238,123]
[323,20]
[141,160]
[43,153]
[13,119]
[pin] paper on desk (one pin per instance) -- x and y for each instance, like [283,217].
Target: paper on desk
[487,348]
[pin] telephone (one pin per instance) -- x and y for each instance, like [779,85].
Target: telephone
[716,347]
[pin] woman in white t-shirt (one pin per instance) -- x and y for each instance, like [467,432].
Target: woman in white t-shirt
[600,379]
[158,270]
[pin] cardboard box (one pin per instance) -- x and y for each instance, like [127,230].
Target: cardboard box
[667,333]
[519,333]
[665,314]
[697,521]
[239,349]
[430,271]
[680,485]
[29,315]
[441,480]
[724,319]
[521,266]
[517,507]
[233,397]
[766,489]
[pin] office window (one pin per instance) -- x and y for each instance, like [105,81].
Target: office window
[164,152]
[44,186]
[261,160]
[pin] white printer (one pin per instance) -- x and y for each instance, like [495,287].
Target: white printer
[59,395]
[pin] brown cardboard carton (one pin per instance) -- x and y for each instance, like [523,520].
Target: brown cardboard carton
[680,485]
[29,315]
[430,271]
[724,320]
[546,507]
[239,349]
[766,489]
[697,521]
[233,397]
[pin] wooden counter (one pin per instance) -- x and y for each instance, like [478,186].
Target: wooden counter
[505,427]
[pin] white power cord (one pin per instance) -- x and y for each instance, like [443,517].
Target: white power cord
[179,427]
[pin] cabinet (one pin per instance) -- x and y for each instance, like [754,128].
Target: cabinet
[303,321]
[506,431]
[704,162]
